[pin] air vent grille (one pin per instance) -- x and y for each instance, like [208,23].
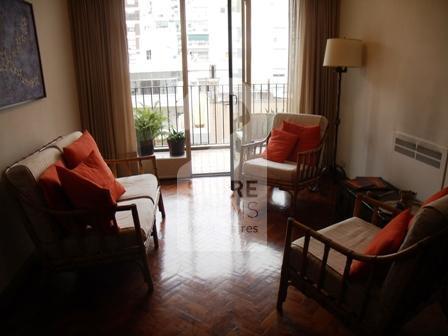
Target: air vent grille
[420,150]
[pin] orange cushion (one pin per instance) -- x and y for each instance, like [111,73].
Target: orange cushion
[279,146]
[309,138]
[92,186]
[96,170]
[79,150]
[436,196]
[387,241]
[51,188]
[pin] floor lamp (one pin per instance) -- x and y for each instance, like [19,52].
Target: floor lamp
[341,53]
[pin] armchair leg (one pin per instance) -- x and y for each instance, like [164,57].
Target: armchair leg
[147,273]
[161,206]
[282,290]
[155,235]
[293,206]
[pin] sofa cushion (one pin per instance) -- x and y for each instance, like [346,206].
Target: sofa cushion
[52,189]
[436,196]
[263,169]
[409,278]
[388,240]
[309,138]
[145,208]
[280,145]
[79,150]
[23,176]
[138,186]
[66,140]
[430,219]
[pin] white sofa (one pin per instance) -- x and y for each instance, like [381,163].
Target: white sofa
[135,215]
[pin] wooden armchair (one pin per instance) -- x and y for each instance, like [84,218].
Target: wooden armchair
[397,285]
[288,176]
[59,250]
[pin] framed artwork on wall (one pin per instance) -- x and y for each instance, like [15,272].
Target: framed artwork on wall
[21,78]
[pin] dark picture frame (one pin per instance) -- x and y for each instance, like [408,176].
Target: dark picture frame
[21,75]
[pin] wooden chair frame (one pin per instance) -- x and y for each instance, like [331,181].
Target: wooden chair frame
[306,174]
[114,164]
[336,305]
[136,252]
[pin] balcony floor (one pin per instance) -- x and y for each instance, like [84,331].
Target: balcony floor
[207,161]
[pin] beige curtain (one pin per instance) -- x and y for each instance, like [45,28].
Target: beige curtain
[311,87]
[101,57]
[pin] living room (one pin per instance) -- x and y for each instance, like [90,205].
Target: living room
[217,253]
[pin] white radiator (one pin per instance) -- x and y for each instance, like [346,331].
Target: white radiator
[418,165]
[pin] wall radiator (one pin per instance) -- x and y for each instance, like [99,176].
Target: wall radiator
[419,165]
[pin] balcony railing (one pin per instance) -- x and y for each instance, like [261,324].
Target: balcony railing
[209,108]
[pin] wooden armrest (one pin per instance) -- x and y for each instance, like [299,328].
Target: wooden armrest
[386,258]
[138,160]
[254,143]
[135,219]
[377,205]
[131,159]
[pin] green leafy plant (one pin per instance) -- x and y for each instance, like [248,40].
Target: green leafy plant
[175,135]
[148,123]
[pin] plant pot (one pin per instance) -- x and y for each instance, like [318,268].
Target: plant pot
[177,147]
[146,147]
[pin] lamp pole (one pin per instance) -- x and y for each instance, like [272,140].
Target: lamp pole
[337,171]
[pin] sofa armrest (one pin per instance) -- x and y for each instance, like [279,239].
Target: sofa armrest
[126,163]
[135,219]
[377,206]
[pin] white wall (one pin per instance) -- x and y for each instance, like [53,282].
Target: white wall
[402,87]
[27,127]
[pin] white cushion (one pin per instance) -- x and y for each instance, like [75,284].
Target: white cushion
[263,169]
[145,210]
[67,140]
[303,119]
[136,186]
[353,233]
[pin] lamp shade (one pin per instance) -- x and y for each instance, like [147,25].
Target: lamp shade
[341,52]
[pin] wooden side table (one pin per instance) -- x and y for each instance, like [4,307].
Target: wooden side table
[347,196]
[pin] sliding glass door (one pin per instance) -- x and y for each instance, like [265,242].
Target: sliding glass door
[239,79]
[213,68]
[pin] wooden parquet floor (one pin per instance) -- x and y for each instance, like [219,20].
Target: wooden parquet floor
[209,277]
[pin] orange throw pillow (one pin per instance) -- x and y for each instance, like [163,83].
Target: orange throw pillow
[436,196]
[92,186]
[52,189]
[309,138]
[387,241]
[279,146]
[79,150]
[96,170]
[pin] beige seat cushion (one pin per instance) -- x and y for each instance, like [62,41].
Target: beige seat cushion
[145,208]
[137,186]
[353,233]
[263,169]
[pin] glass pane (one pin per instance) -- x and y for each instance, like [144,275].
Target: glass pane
[155,61]
[269,63]
[209,85]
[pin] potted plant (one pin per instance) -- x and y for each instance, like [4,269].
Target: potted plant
[148,125]
[176,142]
